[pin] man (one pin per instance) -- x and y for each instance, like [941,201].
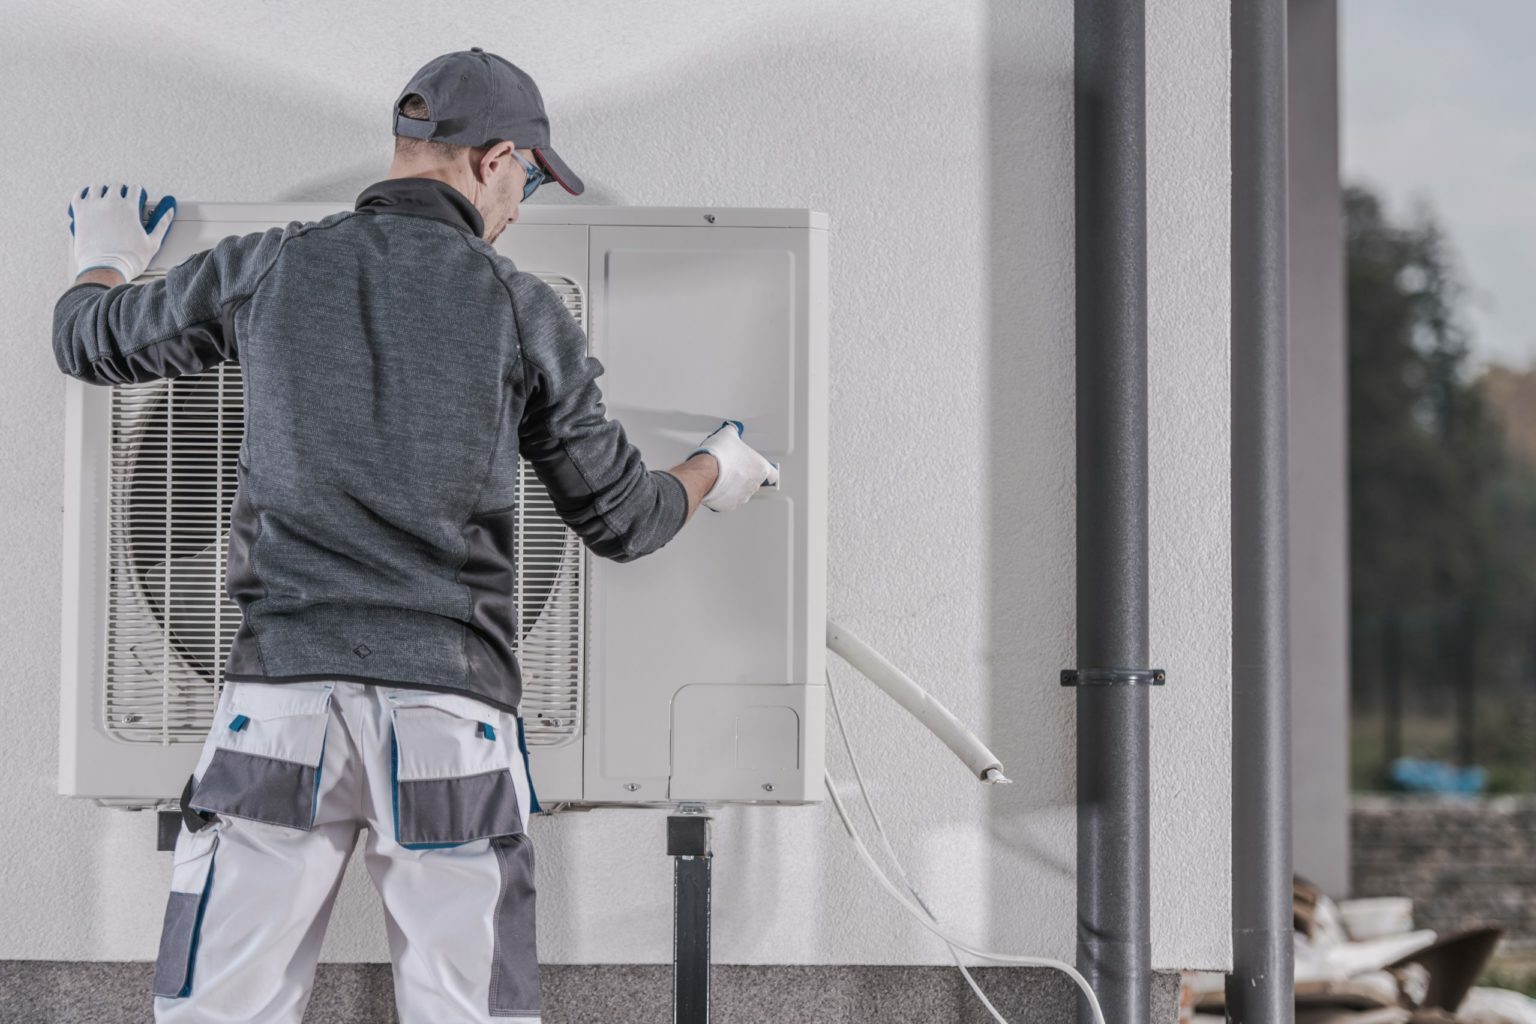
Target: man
[395,367]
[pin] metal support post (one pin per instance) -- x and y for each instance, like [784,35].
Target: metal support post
[688,844]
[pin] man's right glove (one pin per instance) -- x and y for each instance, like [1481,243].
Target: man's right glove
[742,470]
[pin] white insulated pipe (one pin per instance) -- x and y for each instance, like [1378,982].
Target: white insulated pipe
[935,717]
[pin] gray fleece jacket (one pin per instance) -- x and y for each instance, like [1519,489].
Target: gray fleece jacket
[395,366]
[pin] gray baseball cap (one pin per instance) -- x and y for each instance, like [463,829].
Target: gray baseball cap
[476,98]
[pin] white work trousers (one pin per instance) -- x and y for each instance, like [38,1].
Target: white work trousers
[288,775]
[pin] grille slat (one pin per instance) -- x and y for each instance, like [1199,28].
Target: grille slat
[173,447]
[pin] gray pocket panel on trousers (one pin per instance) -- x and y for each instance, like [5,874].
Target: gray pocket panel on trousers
[260,788]
[458,810]
[173,964]
[515,957]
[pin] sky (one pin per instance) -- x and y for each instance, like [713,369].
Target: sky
[1439,104]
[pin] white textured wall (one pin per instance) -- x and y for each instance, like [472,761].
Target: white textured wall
[939,139]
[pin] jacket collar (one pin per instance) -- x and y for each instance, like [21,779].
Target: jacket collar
[423,197]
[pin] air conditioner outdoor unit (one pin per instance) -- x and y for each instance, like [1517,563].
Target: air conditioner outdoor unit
[693,674]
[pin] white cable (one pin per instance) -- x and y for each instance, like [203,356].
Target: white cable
[890,852]
[918,911]
[1030,961]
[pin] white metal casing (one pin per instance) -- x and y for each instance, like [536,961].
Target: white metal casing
[704,661]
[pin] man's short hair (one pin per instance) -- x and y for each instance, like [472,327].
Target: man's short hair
[416,107]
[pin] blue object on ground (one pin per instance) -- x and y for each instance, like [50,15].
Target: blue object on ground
[1420,775]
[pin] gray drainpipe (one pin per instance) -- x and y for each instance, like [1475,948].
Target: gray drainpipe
[1113,848]
[1259,990]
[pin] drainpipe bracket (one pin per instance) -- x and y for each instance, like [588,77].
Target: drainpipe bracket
[1113,677]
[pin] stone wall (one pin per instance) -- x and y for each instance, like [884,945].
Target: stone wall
[1463,862]
[44,992]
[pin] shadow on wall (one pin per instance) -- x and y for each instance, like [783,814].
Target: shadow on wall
[1030,366]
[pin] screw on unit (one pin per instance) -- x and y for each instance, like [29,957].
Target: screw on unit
[768,786]
[631,786]
[709,217]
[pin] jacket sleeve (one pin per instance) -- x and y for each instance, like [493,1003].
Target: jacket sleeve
[595,477]
[175,325]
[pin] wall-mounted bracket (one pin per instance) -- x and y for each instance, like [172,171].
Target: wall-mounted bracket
[1113,677]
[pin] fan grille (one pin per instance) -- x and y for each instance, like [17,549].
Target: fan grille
[173,450]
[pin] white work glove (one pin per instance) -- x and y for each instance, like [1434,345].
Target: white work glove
[110,232]
[742,470]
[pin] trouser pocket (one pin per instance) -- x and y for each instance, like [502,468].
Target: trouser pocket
[457,771]
[514,988]
[191,882]
[268,753]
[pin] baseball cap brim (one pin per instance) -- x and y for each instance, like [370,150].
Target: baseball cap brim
[551,162]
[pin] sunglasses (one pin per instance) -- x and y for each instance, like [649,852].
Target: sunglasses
[536,176]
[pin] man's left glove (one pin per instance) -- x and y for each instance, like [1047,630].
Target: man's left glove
[110,231]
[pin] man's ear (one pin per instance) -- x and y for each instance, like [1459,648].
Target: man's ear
[494,159]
